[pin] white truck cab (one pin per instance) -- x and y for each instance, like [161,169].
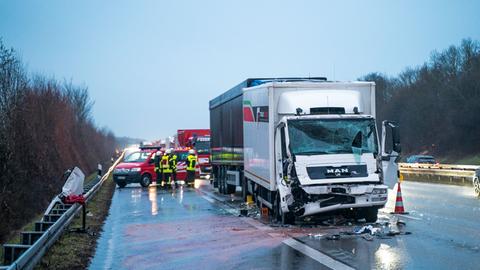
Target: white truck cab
[311,146]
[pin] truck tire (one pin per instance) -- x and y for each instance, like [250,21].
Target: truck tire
[214,177]
[279,215]
[370,214]
[146,180]
[244,189]
[121,184]
[476,185]
[230,189]
[221,185]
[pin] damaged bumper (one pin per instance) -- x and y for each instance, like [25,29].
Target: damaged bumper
[329,198]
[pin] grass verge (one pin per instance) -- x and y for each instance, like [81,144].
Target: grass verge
[74,250]
[465,160]
[470,160]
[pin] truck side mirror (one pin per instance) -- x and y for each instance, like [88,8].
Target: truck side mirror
[151,161]
[397,147]
[390,138]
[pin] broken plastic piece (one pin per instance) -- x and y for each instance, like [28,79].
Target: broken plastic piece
[243,212]
[367,237]
[364,229]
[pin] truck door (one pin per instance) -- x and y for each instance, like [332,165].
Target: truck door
[391,149]
[281,165]
[280,153]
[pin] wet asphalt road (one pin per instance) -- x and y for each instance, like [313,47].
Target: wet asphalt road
[152,228]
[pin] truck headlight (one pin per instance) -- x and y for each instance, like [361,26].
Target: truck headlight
[379,191]
[135,169]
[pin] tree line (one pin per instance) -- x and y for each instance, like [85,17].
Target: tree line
[45,128]
[436,104]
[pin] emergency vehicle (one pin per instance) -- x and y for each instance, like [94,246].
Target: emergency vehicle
[182,154]
[199,140]
[137,167]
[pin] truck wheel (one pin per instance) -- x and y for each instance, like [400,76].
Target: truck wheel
[146,180]
[476,186]
[230,189]
[244,189]
[278,215]
[121,184]
[221,185]
[369,214]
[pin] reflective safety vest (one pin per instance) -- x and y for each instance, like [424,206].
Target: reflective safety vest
[172,161]
[191,162]
[164,164]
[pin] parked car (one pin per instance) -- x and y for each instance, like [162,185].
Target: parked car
[137,167]
[476,182]
[422,159]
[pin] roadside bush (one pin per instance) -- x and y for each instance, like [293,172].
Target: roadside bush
[436,104]
[45,128]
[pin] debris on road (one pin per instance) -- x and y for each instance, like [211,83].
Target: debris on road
[244,212]
[380,230]
[333,237]
[367,237]
[249,210]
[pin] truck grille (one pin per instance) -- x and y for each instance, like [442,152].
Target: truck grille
[325,172]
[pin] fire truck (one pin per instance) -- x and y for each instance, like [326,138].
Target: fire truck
[198,139]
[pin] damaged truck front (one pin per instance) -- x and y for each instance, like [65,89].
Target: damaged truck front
[311,146]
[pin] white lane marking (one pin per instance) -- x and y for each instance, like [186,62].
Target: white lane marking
[227,208]
[316,255]
[208,199]
[213,196]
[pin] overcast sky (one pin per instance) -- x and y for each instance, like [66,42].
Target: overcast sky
[152,66]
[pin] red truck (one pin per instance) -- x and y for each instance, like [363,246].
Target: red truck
[199,140]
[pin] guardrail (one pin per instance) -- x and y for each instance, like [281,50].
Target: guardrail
[36,243]
[442,173]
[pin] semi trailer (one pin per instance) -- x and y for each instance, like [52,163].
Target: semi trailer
[304,146]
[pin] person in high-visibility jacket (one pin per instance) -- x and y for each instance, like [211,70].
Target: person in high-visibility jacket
[165,167]
[158,168]
[191,164]
[172,160]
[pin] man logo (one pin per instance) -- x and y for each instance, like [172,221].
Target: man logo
[337,171]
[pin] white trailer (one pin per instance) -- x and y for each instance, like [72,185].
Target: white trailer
[311,146]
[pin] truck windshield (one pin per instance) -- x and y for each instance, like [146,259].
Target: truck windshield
[137,157]
[332,136]
[202,146]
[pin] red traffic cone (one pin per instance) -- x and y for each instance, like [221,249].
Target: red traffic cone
[399,209]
